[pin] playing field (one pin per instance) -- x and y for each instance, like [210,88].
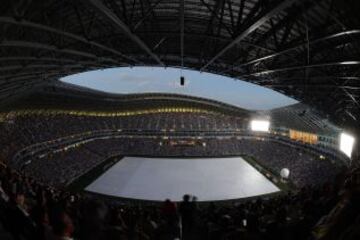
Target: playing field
[159,178]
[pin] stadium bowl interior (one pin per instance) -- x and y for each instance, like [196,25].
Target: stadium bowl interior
[76,163]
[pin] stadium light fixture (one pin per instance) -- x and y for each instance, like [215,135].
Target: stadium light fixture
[346,144]
[260,125]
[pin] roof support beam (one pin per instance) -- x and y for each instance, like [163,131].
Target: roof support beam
[27,44]
[182,23]
[59,72]
[109,15]
[351,97]
[30,78]
[40,66]
[23,58]
[340,34]
[351,115]
[7,91]
[334,78]
[214,14]
[37,26]
[283,5]
[300,68]
[52,60]
[309,86]
[149,12]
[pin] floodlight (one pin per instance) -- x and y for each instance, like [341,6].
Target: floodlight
[260,125]
[346,143]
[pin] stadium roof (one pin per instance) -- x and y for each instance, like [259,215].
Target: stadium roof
[302,118]
[64,96]
[61,96]
[306,49]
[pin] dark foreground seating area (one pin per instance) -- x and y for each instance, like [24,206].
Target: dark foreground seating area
[30,210]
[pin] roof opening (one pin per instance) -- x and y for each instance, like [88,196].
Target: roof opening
[126,80]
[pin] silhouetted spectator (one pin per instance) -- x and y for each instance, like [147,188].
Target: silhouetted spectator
[62,227]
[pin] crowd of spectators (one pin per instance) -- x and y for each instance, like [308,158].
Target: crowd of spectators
[60,168]
[29,210]
[63,167]
[30,127]
[20,131]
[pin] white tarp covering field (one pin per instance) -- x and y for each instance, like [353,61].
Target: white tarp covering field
[209,179]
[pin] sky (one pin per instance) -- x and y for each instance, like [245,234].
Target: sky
[126,80]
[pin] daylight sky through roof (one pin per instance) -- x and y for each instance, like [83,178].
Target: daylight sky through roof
[166,80]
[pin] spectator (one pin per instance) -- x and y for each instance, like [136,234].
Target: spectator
[186,210]
[63,227]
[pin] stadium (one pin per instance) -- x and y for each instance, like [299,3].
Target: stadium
[81,163]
